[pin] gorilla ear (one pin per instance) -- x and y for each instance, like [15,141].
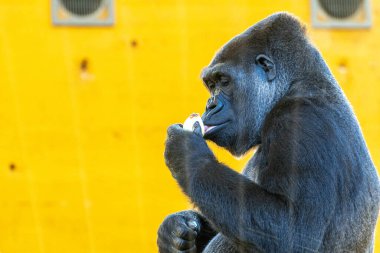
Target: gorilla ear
[267,65]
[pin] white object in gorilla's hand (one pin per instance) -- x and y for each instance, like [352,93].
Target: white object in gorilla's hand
[190,123]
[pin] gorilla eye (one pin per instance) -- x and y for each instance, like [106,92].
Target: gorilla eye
[211,86]
[224,80]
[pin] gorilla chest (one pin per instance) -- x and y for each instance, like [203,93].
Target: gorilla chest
[256,167]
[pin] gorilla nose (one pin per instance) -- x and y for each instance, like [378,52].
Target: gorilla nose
[214,105]
[211,103]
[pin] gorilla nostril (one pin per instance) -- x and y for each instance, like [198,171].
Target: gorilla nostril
[211,106]
[214,106]
[212,103]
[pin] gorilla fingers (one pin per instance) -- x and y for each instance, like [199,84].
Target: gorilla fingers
[185,231]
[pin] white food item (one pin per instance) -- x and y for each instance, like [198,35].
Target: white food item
[190,121]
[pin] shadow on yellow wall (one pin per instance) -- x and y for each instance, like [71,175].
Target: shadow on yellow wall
[84,113]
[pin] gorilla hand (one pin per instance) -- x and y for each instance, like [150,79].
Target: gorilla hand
[178,233]
[185,153]
[186,231]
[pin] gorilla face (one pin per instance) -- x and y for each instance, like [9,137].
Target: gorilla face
[244,86]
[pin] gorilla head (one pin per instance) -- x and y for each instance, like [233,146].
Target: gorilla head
[249,75]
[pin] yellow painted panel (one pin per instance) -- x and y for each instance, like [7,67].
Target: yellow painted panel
[81,161]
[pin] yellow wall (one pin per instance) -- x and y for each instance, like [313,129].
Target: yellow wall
[81,161]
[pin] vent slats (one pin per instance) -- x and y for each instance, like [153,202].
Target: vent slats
[83,12]
[82,7]
[340,8]
[341,13]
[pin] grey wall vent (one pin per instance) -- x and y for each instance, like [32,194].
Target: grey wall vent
[341,13]
[83,12]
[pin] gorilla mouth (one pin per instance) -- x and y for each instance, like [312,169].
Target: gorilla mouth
[209,129]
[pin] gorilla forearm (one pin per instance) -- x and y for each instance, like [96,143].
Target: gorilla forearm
[236,206]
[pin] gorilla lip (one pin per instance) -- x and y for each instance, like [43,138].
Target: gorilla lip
[211,128]
[208,128]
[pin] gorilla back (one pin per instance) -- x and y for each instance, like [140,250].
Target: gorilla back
[311,185]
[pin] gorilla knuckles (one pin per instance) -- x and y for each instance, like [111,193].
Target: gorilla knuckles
[180,232]
[311,182]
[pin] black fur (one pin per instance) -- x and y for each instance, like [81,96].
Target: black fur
[311,185]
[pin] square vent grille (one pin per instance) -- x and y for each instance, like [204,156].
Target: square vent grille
[341,13]
[83,12]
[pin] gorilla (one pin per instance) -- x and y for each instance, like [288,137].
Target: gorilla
[311,185]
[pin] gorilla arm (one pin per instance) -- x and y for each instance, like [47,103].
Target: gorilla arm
[280,214]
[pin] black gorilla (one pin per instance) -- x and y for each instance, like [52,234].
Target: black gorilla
[311,185]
